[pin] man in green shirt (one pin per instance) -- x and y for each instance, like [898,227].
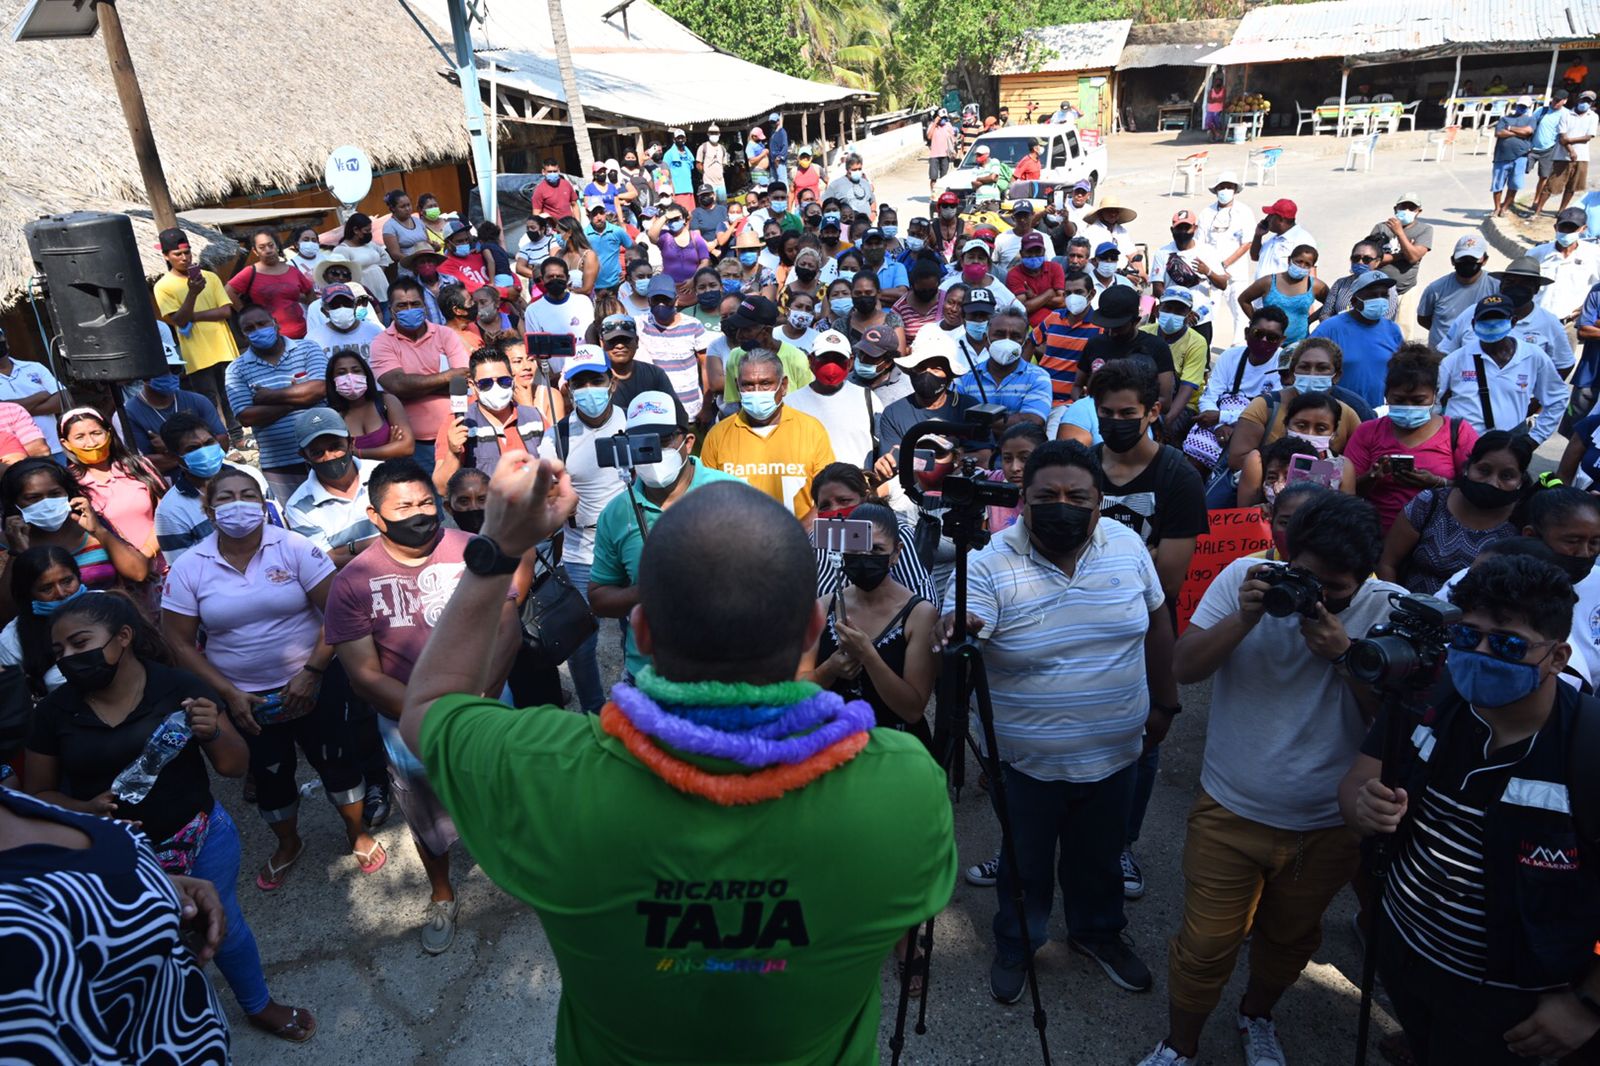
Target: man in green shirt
[752,324]
[702,908]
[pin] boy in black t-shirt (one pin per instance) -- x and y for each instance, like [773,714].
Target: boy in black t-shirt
[1118,314]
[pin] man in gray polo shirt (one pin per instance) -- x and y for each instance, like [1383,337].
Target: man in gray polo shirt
[1446,298]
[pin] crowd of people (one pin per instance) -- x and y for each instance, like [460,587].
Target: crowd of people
[254,554]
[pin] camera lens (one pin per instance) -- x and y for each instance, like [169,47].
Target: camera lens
[1280,601]
[1382,659]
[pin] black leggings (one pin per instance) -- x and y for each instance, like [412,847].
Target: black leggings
[324,737]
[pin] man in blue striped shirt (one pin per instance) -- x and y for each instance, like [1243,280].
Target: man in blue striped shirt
[273,380]
[1078,647]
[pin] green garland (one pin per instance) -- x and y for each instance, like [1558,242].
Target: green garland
[722,693]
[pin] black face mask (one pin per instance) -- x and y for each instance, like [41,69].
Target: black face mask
[1484,496]
[926,295]
[806,274]
[1337,606]
[413,532]
[727,326]
[470,520]
[864,305]
[1519,295]
[1576,567]
[927,386]
[1182,237]
[1060,527]
[1466,268]
[866,572]
[1121,434]
[333,469]
[88,671]
[773,244]
[556,287]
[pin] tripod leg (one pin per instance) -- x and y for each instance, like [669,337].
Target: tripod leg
[925,967]
[1394,741]
[897,1041]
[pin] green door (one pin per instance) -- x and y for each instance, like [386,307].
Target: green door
[1089,102]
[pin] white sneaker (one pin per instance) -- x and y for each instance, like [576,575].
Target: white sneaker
[1259,1038]
[1165,1056]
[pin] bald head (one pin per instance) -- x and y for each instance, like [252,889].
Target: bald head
[727,584]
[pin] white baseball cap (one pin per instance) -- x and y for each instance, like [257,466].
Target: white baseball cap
[934,343]
[653,412]
[831,342]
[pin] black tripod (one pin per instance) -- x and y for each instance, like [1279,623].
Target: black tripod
[961,677]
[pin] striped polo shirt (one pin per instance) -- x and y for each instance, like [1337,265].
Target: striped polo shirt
[330,521]
[301,361]
[1026,390]
[1066,654]
[1056,346]
[678,350]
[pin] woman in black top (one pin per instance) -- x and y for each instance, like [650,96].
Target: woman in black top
[121,687]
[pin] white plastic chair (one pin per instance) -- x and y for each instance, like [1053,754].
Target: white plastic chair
[1408,114]
[1359,121]
[1440,142]
[1484,138]
[1191,168]
[1305,116]
[1265,160]
[1366,147]
[1387,119]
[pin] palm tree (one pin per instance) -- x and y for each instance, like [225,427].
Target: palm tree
[847,41]
[569,87]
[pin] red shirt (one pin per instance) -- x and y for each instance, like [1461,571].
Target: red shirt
[468,271]
[554,201]
[278,293]
[1023,284]
[1027,168]
[809,178]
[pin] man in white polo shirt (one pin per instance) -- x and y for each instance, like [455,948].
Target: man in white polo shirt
[1058,597]
[330,506]
[1494,361]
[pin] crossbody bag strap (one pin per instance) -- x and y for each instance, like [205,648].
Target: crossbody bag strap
[1483,391]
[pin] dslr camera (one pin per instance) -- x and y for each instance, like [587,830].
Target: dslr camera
[1295,590]
[1408,650]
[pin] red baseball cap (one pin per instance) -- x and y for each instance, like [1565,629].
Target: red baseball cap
[948,197]
[1185,218]
[1282,208]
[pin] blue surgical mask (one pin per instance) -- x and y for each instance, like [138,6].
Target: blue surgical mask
[847,275]
[891,232]
[777,207]
[1032,262]
[1490,330]
[841,305]
[1374,308]
[1405,218]
[1566,240]
[979,329]
[205,461]
[46,608]
[49,514]
[731,286]
[759,405]
[166,384]
[1171,324]
[675,226]
[869,370]
[361,314]
[1406,417]
[591,401]
[1486,681]
[552,178]
[262,339]
[1313,382]
[1583,107]
[411,318]
[1295,271]
[749,259]
[915,244]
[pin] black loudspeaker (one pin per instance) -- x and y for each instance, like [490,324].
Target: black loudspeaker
[97,292]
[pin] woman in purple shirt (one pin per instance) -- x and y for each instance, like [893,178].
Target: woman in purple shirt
[683,251]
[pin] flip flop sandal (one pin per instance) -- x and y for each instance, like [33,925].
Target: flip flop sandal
[917,970]
[373,860]
[271,878]
[294,1030]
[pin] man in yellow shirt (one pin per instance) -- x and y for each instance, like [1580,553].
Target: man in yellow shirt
[1191,356]
[767,445]
[197,306]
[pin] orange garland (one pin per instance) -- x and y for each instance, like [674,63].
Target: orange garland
[728,789]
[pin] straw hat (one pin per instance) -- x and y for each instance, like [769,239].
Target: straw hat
[1111,202]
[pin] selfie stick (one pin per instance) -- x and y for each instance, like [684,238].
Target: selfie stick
[961,677]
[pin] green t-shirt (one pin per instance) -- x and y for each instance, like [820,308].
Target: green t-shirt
[796,367]
[618,542]
[689,932]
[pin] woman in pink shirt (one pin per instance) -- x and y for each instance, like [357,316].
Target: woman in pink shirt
[275,284]
[124,488]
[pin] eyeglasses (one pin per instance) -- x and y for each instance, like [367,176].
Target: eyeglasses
[1507,646]
[489,383]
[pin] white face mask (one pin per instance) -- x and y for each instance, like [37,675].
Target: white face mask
[1313,382]
[713,137]
[309,249]
[660,475]
[495,399]
[1077,303]
[1005,351]
[1316,440]
[342,317]
[1224,197]
[1105,268]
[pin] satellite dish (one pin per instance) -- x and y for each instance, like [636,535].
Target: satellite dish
[348,174]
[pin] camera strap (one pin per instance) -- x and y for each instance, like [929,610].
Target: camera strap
[872,427]
[1583,785]
[1483,393]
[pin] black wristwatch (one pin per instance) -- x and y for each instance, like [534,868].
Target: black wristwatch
[1175,710]
[484,558]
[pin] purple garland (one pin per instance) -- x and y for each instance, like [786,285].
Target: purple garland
[826,716]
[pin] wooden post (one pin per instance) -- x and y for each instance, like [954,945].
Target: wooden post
[1344,83]
[133,112]
[805,127]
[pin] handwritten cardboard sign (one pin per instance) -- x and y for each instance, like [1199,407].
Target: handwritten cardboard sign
[1235,533]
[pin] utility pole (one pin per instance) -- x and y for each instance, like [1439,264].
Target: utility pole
[467,75]
[569,87]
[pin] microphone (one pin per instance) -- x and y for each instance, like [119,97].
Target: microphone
[458,396]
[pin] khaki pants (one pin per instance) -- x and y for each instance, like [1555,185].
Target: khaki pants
[1405,316]
[1244,878]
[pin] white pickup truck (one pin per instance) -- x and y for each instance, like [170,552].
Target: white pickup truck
[1063,159]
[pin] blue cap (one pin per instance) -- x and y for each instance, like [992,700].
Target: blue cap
[1106,248]
[830,219]
[662,285]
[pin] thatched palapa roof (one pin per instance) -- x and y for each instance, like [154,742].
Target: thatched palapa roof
[243,96]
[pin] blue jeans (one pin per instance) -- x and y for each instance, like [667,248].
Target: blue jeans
[1144,783]
[424,456]
[585,662]
[1086,819]
[781,173]
[237,957]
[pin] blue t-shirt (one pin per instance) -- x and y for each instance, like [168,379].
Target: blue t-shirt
[144,421]
[893,275]
[1545,128]
[680,164]
[608,248]
[607,193]
[778,145]
[1367,349]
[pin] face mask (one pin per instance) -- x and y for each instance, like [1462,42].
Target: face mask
[309,249]
[806,274]
[1182,236]
[262,340]
[1576,567]
[239,518]
[730,286]
[867,370]
[497,398]
[204,461]
[831,374]
[90,456]
[1519,295]
[361,314]
[1224,197]
[46,608]
[915,244]
[350,386]
[1374,308]
[1583,107]
[1566,240]
[1491,330]
[979,329]
[660,475]
[713,137]
[748,258]
[1406,417]
[1337,606]
[1171,324]
[927,386]
[1121,434]
[1405,218]
[414,532]
[709,301]
[1032,262]
[1269,492]
[1315,383]
[841,305]
[334,469]
[1060,528]
[778,207]
[972,273]
[1077,303]
[926,295]
[1005,351]
[864,305]
[555,289]
[675,226]
[801,320]
[891,232]
[433,214]
[867,572]
[342,317]
[49,514]
[1316,440]
[1105,268]
[1465,268]
[552,179]
[759,406]
[591,401]
[855,175]
[1261,348]
[1484,496]
[413,318]
[775,244]
[664,313]
[88,671]
[166,384]
[1485,681]
[874,257]
[461,251]
[1295,271]
[469,519]
[947,213]
[847,275]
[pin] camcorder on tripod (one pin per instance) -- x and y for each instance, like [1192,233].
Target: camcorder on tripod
[964,495]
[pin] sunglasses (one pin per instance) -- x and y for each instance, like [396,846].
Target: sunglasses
[1507,646]
[336,275]
[1263,335]
[489,383]
[1363,259]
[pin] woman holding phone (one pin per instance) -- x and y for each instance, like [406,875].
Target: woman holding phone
[260,591]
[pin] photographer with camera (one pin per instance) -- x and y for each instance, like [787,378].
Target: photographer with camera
[1057,597]
[1266,848]
[1490,915]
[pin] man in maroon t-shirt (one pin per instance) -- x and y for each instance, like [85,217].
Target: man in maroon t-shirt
[1037,281]
[381,610]
[554,196]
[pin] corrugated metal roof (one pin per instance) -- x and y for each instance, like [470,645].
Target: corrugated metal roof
[1072,46]
[657,73]
[1383,29]
[1139,56]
